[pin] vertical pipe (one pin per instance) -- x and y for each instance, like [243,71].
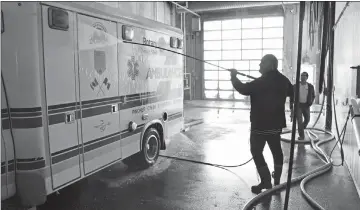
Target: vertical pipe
[301,21]
[324,45]
[185,42]
[184,49]
[181,23]
[328,121]
[194,63]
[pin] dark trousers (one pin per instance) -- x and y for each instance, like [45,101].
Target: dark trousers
[257,144]
[304,111]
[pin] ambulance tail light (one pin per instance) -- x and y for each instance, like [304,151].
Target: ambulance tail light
[58,19]
[173,42]
[127,33]
[180,43]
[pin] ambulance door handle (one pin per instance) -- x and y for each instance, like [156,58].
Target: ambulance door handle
[114,108]
[145,116]
[70,117]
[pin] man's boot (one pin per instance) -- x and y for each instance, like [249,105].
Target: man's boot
[277,174]
[265,180]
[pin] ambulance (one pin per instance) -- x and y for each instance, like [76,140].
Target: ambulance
[84,86]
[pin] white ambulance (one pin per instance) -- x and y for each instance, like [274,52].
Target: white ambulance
[78,95]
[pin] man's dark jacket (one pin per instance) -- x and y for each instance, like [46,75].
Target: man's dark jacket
[268,96]
[310,95]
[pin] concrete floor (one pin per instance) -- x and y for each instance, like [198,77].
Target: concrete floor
[223,138]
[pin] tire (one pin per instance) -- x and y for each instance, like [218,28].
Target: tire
[149,153]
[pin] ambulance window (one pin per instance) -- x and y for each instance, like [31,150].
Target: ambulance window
[2,22]
[58,19]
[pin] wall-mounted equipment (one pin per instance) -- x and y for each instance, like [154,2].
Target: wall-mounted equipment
[187,86]
[196,24]
[187,77]
[357,68]
[355,112]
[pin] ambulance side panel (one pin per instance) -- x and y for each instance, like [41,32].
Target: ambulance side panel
[130,97]
[99,94]
[151,83]
[4,186]
[7,154]
[21,56]
[9,163]
[62,101]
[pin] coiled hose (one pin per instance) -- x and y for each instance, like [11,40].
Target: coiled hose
[315,143]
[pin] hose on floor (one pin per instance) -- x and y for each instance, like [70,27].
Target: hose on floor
[315,143]
[205,163]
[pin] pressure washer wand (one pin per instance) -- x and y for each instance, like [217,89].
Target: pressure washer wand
[245,75]
[161,48]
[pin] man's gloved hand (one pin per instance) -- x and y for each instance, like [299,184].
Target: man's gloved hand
[233,72]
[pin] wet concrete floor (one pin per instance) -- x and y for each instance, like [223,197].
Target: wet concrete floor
[223,138]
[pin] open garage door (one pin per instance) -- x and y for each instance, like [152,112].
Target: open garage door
[239,44]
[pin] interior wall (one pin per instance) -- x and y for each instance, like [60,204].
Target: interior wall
[346,54]
[194,49]
[311,47]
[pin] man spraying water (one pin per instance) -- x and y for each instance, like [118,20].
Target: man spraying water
[267,96]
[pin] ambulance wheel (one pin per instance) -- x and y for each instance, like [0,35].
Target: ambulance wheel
[149,152]
[150,148]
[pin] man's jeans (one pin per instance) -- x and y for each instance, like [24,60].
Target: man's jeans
[304,110]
